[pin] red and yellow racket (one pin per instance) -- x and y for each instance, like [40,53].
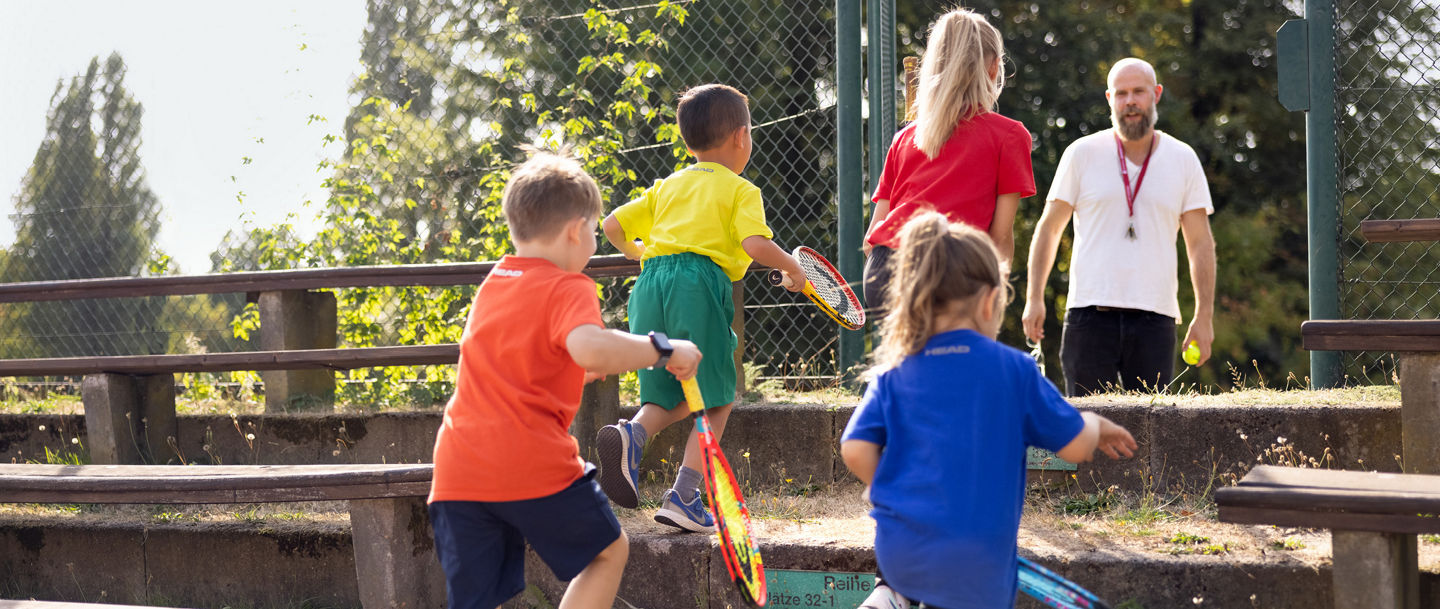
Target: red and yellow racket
[732,519]
[825,287]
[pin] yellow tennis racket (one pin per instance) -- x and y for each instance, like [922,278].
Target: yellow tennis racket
[826,287]
[732,519]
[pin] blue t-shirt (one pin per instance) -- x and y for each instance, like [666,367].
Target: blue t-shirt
[954,421]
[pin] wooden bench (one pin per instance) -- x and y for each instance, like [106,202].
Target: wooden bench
[292,314]
[395,561]
[1373,518]
[130,400]
[1416,341]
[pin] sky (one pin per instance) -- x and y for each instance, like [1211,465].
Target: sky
[220,82]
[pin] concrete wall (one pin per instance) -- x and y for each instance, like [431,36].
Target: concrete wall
[256,566]
[1180,444]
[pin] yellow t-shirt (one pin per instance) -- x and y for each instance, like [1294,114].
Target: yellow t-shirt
[705,209]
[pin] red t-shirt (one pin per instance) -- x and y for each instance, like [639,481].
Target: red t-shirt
[506,432]
[985,157]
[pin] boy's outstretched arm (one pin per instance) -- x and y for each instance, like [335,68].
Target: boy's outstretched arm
[764,251]
[1115,441]
[862,458]
[603,352]
[616,235]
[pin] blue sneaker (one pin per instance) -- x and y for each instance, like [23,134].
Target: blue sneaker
[620,463]
[687,516]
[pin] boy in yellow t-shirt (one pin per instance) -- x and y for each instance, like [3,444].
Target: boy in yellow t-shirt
[700,228]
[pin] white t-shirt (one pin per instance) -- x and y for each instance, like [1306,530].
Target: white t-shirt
[1106,268]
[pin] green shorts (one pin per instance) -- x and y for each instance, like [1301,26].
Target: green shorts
[687,296]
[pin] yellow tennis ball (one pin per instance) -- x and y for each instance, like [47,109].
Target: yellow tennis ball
[1192,354]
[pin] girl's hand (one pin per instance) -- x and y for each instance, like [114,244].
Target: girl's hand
[1116,441]
[592,376]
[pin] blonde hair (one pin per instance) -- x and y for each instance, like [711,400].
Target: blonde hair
[955,83]
[545,193]
[938,262]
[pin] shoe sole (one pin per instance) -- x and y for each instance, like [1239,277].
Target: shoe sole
[614,468]
[675,519]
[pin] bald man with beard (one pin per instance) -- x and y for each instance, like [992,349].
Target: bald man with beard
[1130,189]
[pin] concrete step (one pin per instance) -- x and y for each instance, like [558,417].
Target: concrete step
[1190,441]
[97,557]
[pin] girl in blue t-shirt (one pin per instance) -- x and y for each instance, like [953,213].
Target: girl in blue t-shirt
[940,437]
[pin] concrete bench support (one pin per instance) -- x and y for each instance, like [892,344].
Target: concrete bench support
[1420,411]
[297,319]
[129,419]
[599,406]
[395,551]
[1375,570]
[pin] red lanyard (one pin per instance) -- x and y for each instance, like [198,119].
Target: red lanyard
[1130,194]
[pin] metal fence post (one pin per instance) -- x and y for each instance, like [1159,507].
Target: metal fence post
[1322,189]
[850,163]
[880,26]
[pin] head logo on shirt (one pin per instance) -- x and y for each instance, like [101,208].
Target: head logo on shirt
[507,272]
[948,350]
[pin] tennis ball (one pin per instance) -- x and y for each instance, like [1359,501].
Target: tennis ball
[1192,354]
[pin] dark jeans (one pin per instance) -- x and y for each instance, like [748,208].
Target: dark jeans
[876,284]
[1108,347]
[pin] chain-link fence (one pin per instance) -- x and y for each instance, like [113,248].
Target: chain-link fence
[1387,108]
[451,89]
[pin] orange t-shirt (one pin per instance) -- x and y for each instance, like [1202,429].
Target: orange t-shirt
[506,432]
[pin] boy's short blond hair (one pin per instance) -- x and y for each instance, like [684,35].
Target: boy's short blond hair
[708,114]
[546,192]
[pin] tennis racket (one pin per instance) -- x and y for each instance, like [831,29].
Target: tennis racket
[732,519]
[826,287]
[1045,586]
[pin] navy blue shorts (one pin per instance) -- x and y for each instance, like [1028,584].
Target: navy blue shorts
[482,544]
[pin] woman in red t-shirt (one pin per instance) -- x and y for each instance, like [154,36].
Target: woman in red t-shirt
[958,158]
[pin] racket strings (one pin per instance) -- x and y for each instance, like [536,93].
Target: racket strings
[735,524]
[831,289]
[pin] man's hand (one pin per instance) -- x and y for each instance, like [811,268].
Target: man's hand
[1202,333]
[684,360]
[1034,320]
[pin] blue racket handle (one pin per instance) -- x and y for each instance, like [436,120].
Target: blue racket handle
[1045,586]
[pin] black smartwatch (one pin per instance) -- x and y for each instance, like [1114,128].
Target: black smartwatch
[662,345]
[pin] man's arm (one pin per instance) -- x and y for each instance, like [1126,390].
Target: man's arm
[1200,249]
[1042,259]
[1002,226]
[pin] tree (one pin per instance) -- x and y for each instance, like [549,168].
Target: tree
[85,210]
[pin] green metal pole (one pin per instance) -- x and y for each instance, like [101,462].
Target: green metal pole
[850,163]
[880,71]
[1322,192]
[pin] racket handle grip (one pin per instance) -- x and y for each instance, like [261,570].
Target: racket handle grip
[693,399]
[775,277]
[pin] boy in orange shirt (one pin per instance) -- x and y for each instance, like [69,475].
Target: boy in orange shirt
[507,470]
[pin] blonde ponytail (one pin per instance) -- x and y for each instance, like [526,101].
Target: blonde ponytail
[955,83]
